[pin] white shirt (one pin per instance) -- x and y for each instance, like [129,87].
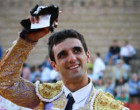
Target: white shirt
[127,51]
[80,96]
[45,75]
[49,75]
[98,68]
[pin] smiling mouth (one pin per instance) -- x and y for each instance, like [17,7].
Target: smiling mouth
[74,67]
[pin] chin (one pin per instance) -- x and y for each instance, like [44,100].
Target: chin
[76,75]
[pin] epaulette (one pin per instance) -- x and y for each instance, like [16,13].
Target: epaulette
[105,101]
[48,92]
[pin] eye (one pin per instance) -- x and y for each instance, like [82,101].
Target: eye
[62,54]
[77,50]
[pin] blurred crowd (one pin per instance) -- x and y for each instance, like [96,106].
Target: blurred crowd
[111,74]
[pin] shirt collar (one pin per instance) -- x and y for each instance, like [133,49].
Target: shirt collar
[80,94]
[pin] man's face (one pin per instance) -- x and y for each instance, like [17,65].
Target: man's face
[26,73]
[71,59]
[125,43]
[94,57]
[115,44]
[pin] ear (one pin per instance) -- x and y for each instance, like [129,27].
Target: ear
[88,56]
[54,65]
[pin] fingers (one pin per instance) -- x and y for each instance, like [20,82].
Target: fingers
[34,19]
[55,24]
[60,11]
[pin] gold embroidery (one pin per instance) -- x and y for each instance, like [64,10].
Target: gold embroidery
[50,90]
[12,86]
[41,106]
[60,102]
[109,95]
[114,105]
[105,101]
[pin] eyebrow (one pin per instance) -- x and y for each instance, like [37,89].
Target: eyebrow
[64,51]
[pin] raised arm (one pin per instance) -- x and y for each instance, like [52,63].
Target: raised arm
[12,86]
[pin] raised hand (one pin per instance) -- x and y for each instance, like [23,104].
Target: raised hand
[35,34]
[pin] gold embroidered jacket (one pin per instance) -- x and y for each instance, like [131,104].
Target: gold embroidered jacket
[25,94]
[54,95]
[12,86]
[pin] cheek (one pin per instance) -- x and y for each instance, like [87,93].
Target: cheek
[60,64]
[84,59]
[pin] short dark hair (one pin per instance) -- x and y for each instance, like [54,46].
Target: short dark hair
[60,36]
[126,41]
[115,40]
[98,54]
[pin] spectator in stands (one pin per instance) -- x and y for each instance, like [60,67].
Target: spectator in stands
[90,64]
[90,69]
[109,85]
[127,67]
[90,73]
[119,71]
[26,72]
[113,54]
[1,52]
[134,85]
[55,76]
[45,75]
[48,75]
[37,78]
[35,73]
[98,67]
[46,63]
[100,84]
[127,52]
[122,90]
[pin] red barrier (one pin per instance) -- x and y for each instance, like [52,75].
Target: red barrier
[133,106]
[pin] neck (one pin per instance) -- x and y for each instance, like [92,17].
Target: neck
[76,84]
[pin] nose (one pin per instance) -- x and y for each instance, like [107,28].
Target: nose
[71,58]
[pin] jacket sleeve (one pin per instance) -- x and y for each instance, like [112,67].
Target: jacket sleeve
[12,86]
